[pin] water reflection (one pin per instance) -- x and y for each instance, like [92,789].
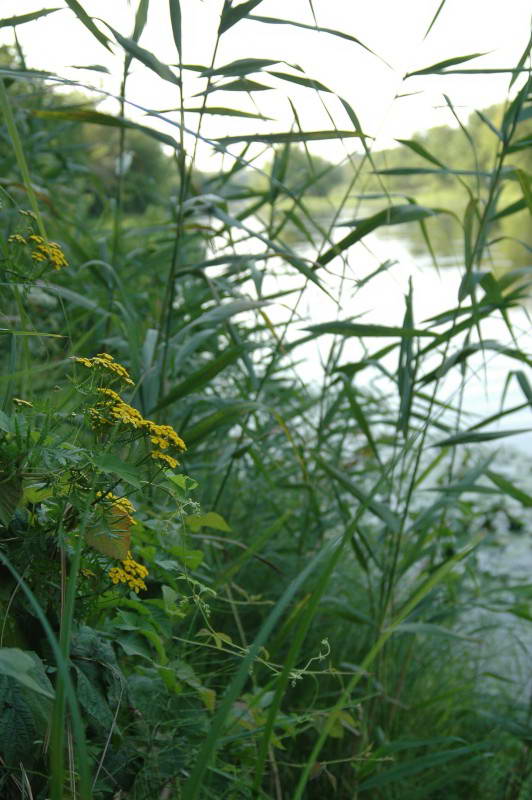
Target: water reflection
[380,300]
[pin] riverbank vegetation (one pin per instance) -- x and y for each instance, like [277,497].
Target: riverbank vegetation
[219,578]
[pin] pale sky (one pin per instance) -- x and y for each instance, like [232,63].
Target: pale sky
[394,30]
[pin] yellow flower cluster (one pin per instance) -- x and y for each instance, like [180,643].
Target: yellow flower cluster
[132,573]
[106,362]
[164,436]
[112,408]
[47,251]
[123,508]
[16,238]
[172,462]
[117,409]
[43,250]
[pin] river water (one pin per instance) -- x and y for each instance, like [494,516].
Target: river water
[381,300]
[503,639]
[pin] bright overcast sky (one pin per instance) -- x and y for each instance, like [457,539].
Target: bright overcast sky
[394,30]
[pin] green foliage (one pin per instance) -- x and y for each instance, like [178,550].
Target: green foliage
[305,604]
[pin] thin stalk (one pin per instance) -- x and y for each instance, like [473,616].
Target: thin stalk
[417,597]
[5,107]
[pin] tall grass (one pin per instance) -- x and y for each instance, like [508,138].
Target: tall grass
[324,611]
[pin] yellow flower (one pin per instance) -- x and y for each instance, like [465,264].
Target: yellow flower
[123,412]
[131,573]
[164,436]
[106,362]
[121,507]
[16,238]
[172,462]
[110,393]
[112,408]
[47,251]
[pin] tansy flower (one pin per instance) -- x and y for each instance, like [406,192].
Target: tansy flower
[47,251]
[106,362]
[131,573]
[164,436]
[16,238]
[172,462]
[121,506]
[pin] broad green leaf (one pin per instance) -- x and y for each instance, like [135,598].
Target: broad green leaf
[521,62]
[430,629]
[510,489]
[302,81]
[132,644]
[406,369]
[184,482]
[201,377]
[291,136]
[175,18]
[404,769]
[318,28]
[20,20]
[232,14]
[243,66]
[91,699]
[141,17]
[146,58]
[468,437]
[434,18]
[430,171]
[422,151]
[441,65]
[395,215]
[524,384]
[20,666]
[77,299]
[360,329]
[36,493]
[520,144]
[240,85]
[112,465]
[92,67]
[512,208]
[12,332]
[209,520]
[489,124]
[230,415]
[189,558]
[224,112]
[525,183]
[99,118]
[465,352]
[84,18]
